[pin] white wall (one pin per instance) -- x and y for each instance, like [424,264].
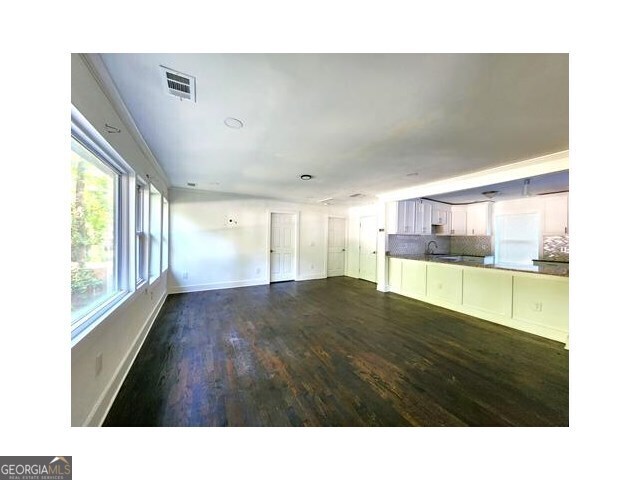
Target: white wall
[209,252]
[120,334]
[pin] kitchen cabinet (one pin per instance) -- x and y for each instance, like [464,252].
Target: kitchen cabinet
[413,217]
[407,217]
[479,218]
[459,220]
[423,218]
[441,219]
[556,214]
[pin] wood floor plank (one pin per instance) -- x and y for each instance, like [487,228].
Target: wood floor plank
[336,352]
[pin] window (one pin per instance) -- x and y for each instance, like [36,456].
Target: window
[155,232]
[517,238]
[95,233]
[165,234]
[141,240]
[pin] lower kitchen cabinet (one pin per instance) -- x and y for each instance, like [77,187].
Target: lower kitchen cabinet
[444,284]
[541,305]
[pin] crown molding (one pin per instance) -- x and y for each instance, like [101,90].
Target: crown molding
[99,71]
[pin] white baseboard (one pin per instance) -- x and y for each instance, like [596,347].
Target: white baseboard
[100,410]
[319,276]
[217,285]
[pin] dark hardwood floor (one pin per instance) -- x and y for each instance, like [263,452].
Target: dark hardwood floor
[336,352]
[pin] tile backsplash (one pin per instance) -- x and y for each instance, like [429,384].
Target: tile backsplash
[417,244]
[555,247]
[472,245]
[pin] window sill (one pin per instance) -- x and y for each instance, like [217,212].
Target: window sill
[81,331]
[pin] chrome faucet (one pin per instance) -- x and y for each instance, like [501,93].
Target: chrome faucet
[429,252]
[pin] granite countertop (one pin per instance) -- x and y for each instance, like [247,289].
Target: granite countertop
[550,260]
[559,270]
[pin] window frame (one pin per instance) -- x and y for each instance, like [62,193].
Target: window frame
[153,276]
[164,236]
[84,133]
[141,233]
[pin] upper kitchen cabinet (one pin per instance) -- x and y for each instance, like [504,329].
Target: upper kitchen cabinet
[458,220]
[423,218]
[556,214]
[441,218]
[407,217]
[479,218]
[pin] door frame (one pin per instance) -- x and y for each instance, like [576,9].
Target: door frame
[326,242]
[296,240]
[360,247]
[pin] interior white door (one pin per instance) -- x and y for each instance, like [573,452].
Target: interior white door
[337,247]
[282,247]
[368,240]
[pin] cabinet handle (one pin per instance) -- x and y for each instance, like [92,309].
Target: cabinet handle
[565,229]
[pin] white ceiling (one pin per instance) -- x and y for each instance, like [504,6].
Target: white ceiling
[359,123]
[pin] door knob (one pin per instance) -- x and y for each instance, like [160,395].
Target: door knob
[343,250]
[374,252]
[271,251]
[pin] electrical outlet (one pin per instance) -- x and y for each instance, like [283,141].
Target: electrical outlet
[185,275]
[98,364]
[312,266]
[258,270]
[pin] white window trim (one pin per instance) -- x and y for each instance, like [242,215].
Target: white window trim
[89,137]
[163,267]
[140,283]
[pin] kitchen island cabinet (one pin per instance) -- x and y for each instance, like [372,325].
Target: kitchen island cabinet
[532,302]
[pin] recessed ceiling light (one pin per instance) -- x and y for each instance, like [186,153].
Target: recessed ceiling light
[356,195]
[306,176]
[191,184]
[233,122]
[325,199]
[414,174]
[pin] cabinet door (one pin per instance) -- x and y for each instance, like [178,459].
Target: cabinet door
[458,220]
[409,216]
[556,215]
[478,219]
[406,216]
[423,218]
[438,216]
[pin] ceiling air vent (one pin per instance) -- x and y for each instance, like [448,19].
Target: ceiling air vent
[179,84]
